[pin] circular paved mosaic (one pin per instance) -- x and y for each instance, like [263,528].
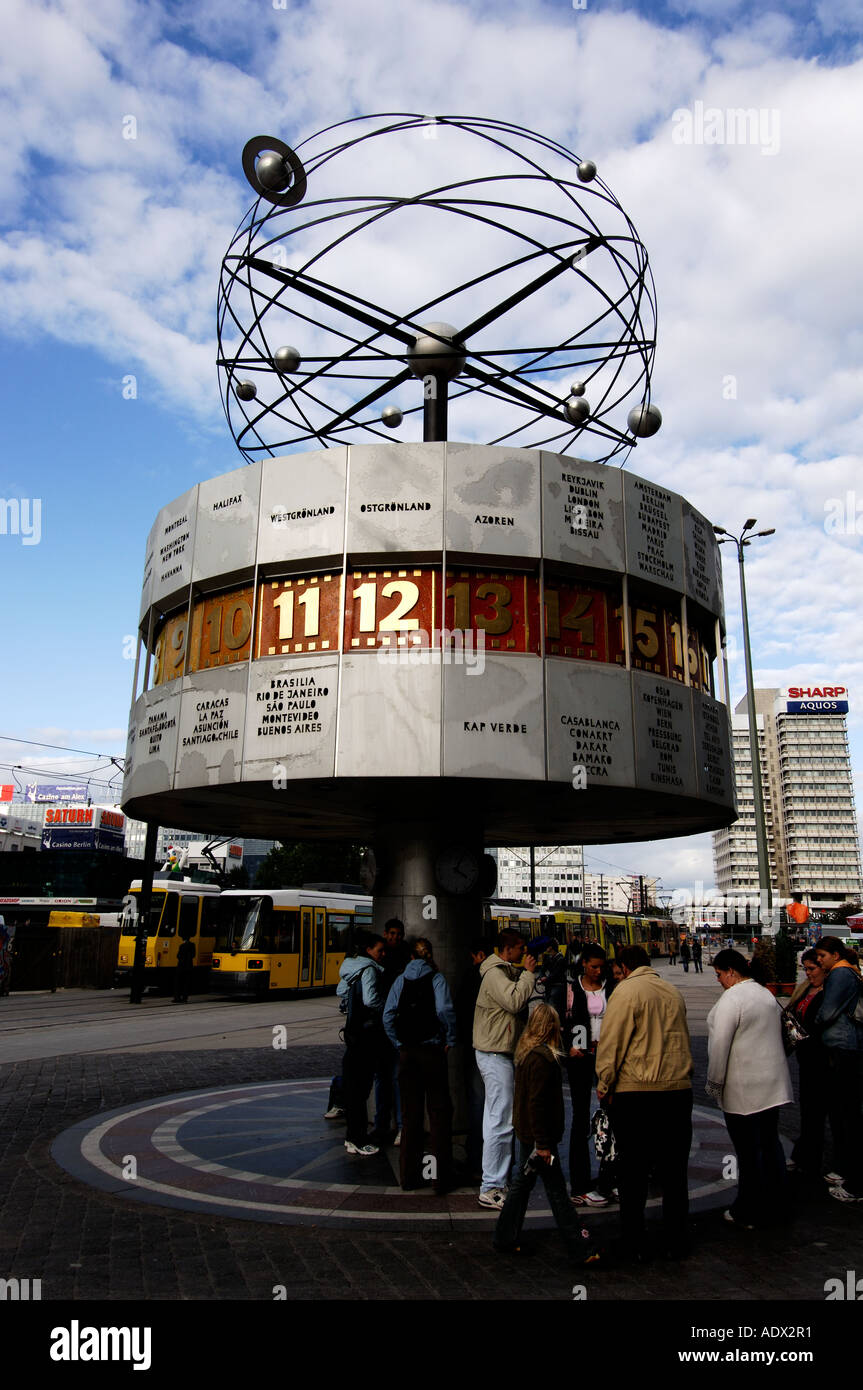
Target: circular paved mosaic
[265,1153]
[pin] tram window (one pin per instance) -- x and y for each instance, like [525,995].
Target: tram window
[188,915]
[168,925]
[157,902]
[286,931]
[244,923]
[257,928]
[209,916]
[129,915]
[338,931]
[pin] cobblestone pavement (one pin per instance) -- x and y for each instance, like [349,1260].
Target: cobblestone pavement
[87,1244]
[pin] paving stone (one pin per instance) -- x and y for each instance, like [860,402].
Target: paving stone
[49,1221]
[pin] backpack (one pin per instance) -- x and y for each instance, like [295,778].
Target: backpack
[416,1019]
[358,1016]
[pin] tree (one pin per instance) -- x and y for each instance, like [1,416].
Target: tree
[764,959]
[785,953]
[313,861]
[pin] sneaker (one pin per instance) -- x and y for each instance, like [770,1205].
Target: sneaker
[363,1150]
[591,1199]
[834,1179]
[398,1139]
[843,1195]
[494,1198]
[733,1221]
[335,1112]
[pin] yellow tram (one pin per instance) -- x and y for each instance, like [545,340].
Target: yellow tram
[501,914]
[286,938]
[611,930]
[178,909]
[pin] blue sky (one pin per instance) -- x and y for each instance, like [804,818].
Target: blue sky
[110,248]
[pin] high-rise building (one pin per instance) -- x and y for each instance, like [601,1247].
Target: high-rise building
[808,795]
[619,892]
[559,875]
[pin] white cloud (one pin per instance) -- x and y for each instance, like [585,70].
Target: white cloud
[115,243]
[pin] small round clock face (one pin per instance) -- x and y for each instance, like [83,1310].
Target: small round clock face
[368,870]
[457,869]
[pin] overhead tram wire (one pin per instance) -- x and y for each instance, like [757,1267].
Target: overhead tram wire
[62,748]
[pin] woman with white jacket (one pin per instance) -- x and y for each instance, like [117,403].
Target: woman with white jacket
[747,1074]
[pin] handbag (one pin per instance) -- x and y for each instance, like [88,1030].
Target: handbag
[793,1031]
[603,1136]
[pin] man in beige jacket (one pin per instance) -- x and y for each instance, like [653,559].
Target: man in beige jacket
[503,994]
[644,1072]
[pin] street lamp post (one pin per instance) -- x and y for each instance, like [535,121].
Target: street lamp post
[758,797]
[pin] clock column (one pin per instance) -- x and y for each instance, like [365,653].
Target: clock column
[413,862]
[428,875]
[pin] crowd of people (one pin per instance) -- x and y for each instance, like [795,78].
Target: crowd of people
[529,1016]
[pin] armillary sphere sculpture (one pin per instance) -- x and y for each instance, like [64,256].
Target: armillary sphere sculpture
[494,288]
[430,612]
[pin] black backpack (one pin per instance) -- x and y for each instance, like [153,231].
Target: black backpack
[359,1018]
[416,1019]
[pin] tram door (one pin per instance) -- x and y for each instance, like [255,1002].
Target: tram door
[305,946]
[312,952]
[320,939]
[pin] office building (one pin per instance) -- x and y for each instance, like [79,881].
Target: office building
[808,794]
[619,892]
[559,875]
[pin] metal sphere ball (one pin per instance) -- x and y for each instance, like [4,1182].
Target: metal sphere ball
[576,410]
[430,355]
[586,170]
[391,416]
[286,359]
[273,173]
[577,388]
[246,390]
[644,420]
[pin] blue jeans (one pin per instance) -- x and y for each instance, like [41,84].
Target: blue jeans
[511,1219]
[498,1075]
